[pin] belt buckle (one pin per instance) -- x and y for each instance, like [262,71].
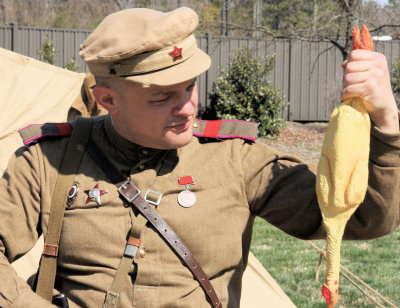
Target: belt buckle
[156,203]
[123,189]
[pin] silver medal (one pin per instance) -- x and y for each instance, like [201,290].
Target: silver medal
[186,198]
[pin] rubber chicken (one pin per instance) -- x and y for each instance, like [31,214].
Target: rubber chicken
[342,174]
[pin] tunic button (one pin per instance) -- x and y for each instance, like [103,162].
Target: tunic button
[141,167]
[145,152]
[142,252]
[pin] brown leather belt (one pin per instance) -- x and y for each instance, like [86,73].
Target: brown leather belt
[132,195]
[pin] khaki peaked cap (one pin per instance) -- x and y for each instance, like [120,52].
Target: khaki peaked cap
[146,46]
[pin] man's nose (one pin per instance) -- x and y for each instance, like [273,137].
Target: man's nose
[184,105]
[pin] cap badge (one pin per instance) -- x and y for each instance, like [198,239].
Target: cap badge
[176,53]
[186,198]
[94,194]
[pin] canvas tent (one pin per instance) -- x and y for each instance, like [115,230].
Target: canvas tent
[35,92]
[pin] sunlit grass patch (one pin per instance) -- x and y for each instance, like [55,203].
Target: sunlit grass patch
[293,263]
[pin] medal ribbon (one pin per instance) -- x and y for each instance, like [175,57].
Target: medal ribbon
[186,180]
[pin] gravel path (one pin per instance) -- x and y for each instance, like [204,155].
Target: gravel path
[302,140]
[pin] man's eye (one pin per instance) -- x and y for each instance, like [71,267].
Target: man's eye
[160,100]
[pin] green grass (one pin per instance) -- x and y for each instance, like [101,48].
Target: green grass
[293,264]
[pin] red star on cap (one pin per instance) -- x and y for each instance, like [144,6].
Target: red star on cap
[176,53]
[94,194]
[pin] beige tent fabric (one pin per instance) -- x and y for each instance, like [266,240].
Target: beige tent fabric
[33,92]
[260,290]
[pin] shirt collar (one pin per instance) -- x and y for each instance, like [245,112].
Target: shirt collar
[129,150]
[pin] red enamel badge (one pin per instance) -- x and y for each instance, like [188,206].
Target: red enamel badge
[94,194]
[186,180]
[176,53]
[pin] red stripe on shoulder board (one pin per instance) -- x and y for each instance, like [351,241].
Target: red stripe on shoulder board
[65,129]
[211,129]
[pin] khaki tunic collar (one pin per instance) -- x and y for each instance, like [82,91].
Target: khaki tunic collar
[130,153]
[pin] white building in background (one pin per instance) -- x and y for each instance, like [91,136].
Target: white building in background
[382,38]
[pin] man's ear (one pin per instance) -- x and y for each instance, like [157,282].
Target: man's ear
[106,98]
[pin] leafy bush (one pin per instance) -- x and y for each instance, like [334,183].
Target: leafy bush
[48,52]
[71,65]
[243,93]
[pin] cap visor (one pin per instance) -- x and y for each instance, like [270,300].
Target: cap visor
[189,69]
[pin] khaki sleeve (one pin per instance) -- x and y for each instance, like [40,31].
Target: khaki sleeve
[379,214]
[19,215]
[281,189]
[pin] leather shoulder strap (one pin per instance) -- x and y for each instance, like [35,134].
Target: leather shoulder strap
[70,163]
[131,194]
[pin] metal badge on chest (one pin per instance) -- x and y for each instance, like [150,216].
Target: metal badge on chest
[94,194]
[72,193]
[186,198]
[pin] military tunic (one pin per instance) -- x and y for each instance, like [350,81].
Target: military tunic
[235,181]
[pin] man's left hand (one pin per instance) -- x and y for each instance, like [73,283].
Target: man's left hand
[366,75]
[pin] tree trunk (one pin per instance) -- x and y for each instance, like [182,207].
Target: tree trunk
[315,17]
[352,11]
[3,10]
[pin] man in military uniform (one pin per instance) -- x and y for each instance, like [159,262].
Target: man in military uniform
[208,191]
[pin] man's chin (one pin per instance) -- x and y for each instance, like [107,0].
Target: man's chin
[175,142]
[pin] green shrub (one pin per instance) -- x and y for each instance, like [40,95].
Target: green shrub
[243,93]
[48,52]
[71,65]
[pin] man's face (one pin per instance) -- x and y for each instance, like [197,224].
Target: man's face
[156,117]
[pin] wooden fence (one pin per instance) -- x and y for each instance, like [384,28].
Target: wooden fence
[309,74]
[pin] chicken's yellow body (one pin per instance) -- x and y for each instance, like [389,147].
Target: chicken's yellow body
[342,180]
[342,175]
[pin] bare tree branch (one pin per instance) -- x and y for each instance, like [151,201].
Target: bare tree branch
[384,26]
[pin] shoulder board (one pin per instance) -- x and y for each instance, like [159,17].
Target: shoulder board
[225,129]
[35,132]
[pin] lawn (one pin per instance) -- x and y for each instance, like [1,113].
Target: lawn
[293,264]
